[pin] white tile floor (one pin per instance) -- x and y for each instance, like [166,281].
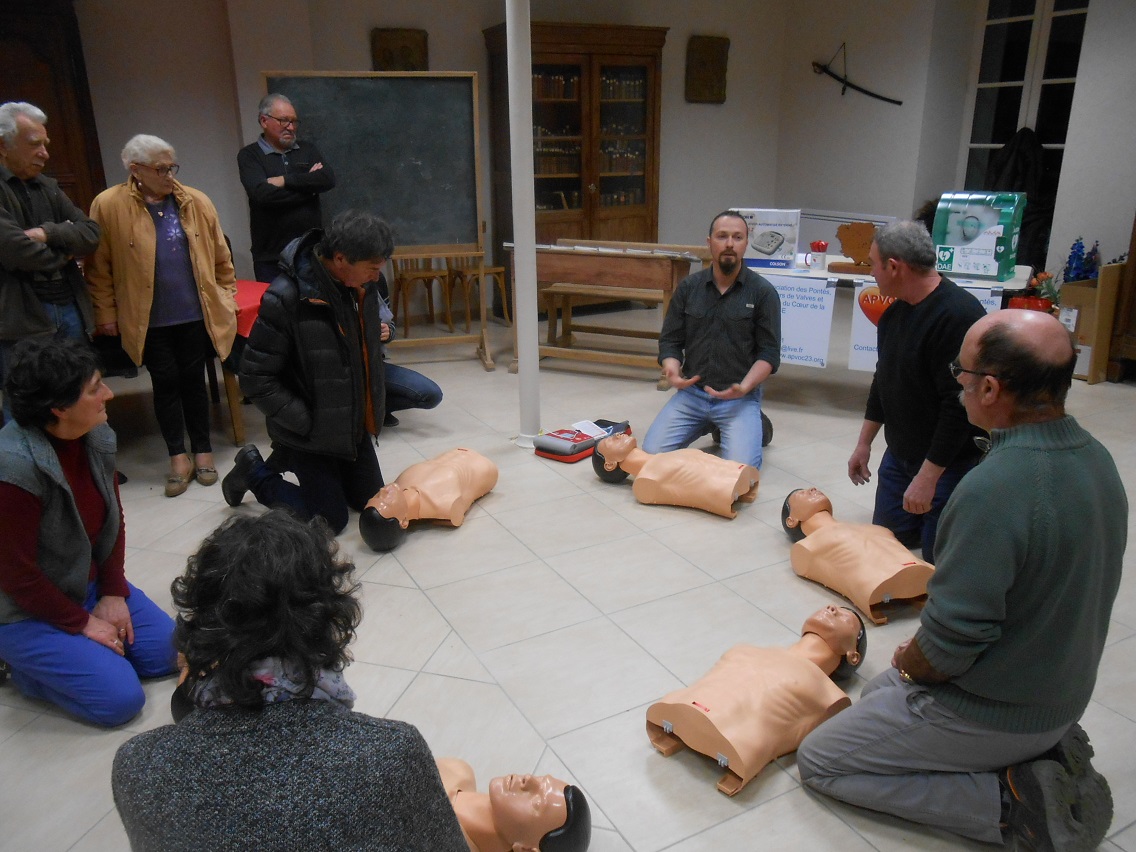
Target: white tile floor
[534,637]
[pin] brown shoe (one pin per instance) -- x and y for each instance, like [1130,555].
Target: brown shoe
[207,475]
[177,484]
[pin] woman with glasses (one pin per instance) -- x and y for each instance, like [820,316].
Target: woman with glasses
[162,278]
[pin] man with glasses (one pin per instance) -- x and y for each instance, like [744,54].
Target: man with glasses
[284,178]
[41,233]
[974,727]
[913,397]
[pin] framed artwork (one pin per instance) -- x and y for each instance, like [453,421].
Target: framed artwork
[706,69]
[399,50]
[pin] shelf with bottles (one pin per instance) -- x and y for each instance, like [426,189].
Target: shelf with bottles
[624,156]
[552,157]
[622,189]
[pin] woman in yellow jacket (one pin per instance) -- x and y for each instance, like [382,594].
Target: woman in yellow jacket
[162,278]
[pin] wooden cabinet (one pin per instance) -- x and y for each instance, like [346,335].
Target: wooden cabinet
[595,132]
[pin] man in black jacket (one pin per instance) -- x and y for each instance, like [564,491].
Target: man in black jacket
[283,178]
[313,365]
[41,233]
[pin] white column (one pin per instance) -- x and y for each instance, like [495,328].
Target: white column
[519,42]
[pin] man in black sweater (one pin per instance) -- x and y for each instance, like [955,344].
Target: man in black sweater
[913,396]
[283,178]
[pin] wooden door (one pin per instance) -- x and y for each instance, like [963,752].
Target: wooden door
[41,61]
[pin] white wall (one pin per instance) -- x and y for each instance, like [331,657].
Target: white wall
[1096,198]
[191,73]
[164,67]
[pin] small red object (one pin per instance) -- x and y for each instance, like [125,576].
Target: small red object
[818,245]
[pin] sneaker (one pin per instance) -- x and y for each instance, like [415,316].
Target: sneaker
[1093,807]
[236,483]
[1048,812]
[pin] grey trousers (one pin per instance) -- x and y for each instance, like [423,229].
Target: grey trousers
[899,751]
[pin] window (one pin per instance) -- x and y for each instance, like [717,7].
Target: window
[1027,70]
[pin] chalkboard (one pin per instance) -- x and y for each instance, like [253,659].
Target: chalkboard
[403,145]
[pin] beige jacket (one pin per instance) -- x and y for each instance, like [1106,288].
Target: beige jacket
[120,274]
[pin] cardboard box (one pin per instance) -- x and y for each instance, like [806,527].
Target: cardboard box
[976,233]
[772,237]
[1087,309]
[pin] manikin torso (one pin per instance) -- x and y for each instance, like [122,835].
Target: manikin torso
[691,478]
[863,562]
[753,706]
[444,487]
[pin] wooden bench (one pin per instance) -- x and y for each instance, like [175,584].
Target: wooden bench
[561,297]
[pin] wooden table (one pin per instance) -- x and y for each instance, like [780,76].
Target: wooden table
[564,272]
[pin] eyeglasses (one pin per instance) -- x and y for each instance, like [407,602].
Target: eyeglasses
[162,171]
[957,370]
[284,122]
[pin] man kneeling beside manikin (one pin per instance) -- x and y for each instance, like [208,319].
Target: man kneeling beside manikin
[522,813]
[757,704]
[442,489]
[683,477]
[864,562]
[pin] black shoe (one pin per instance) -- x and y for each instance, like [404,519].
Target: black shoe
[1049,811]
[235,483]
[4,669]
[390,420]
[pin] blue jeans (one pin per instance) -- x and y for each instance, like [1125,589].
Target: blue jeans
[68,323]
[899,751]
[691,411]
[895,476]
[83,677]
[408,389]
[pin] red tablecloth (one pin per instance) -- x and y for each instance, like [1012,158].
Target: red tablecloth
[248,304]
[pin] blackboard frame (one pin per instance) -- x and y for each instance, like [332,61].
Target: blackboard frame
[444,176]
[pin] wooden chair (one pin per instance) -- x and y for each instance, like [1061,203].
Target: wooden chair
[408,271]
[465,272]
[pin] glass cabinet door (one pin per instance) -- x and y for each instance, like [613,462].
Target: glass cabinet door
[558,136]
[623,114]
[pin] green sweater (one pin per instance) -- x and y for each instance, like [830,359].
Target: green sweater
[1028,562]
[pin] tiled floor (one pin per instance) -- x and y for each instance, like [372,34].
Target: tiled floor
[534,637]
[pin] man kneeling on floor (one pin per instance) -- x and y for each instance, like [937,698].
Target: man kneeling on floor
[974,728]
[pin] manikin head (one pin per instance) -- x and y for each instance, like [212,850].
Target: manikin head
[801,505]
[615,449]
[383,522]
[539,812]
[842,629]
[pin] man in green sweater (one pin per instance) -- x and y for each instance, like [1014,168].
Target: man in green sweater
[974,728]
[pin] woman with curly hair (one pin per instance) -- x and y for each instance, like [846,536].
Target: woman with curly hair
[270,754]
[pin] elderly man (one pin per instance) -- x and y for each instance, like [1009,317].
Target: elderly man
[41,233]
[283,178]
[913,397]
[720,340]
[974,728]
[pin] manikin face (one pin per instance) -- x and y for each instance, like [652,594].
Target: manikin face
[156,178]
[837,626]
[727,242]
[527,807]
[391,503]
[280,125]
[807,502]
[27,155]
[87,412]
[616,448]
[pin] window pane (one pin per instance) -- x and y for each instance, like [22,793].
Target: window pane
[1064,51]
[1004,51]
[976,169]
[1010,8]
[996,114]
[1063,5]
[1053,112]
